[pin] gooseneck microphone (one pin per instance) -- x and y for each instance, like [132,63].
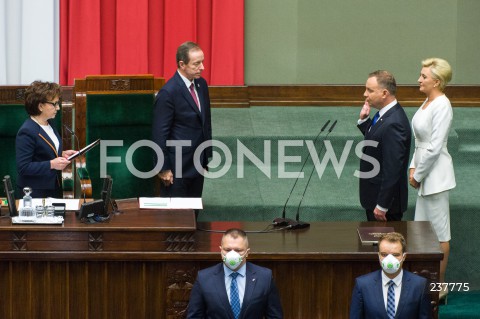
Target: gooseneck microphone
[82,187]
[298,223]
[69,130]
[287,221]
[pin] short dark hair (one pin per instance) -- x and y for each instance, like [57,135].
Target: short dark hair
[394,238]
[235,233]
[183,50]
[40,92]
[385,80]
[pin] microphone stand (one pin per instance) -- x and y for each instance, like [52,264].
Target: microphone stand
[287,221]
[82,187]
[299,224]
[69,130]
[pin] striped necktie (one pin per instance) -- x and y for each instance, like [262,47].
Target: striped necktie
[234,298]
[391,300]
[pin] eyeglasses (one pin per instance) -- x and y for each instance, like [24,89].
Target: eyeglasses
[54,104]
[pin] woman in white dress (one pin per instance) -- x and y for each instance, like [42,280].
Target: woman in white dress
[431,168]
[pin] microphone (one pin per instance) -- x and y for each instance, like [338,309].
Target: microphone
[69,130]
[82,187]
[287,221]
[299,224]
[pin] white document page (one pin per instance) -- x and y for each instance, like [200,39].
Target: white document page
[170,203]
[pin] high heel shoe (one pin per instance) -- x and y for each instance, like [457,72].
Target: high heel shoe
[443,297]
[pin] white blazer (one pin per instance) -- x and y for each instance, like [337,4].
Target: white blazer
[431,160]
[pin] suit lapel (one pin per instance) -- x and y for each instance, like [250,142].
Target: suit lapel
[219,282]
[378,292]
[404,294]
[250,283]
[186,94]
[383,118]
[45,138]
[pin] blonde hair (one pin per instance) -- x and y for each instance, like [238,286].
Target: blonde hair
[441,70]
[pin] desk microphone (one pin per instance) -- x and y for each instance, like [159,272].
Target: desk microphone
[82,187]
[299,224]
[69,130]
[287,221]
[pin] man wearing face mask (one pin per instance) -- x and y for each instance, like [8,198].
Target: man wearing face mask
[235,288]
[391,292]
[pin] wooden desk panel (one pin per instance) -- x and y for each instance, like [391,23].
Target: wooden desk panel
[314,268]
[133,229]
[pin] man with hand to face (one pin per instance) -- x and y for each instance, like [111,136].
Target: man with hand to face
[384,188]
[391,292]
[234,288]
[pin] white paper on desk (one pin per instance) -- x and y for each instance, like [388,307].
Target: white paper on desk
[70,204]
[170,203]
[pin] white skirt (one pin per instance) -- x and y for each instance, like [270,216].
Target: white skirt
[436,209]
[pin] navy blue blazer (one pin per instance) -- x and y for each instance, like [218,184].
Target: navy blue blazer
[209,299]
[368,302]
[177,117]
[34,150]
[389,188]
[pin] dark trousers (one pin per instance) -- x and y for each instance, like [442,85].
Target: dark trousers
[392,215]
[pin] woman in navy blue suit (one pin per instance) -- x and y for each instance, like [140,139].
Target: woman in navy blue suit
[38,145]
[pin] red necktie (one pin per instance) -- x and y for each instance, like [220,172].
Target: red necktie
[192,92]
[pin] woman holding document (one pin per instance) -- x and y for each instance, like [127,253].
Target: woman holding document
[38,145]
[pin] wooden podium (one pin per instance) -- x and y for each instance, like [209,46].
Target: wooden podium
[143,263]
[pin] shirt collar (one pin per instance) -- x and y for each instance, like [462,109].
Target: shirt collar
[387,107]
[397,280]
[186,81]
[242,271]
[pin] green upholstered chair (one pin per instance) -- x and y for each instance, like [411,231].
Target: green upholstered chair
[118,110]
[13,115]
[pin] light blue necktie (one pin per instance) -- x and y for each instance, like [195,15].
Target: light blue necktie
[375,118]
[391,300]
[234,298]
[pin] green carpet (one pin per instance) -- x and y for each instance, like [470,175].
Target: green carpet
[461,305]
[247,193]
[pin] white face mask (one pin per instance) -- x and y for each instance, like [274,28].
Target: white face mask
[390,264]
[232,259]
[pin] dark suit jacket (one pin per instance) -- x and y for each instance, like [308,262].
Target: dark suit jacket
[34,151]
[368,303]
[389,188]
[209,296]
[177,117]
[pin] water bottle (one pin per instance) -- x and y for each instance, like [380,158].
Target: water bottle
[27,212]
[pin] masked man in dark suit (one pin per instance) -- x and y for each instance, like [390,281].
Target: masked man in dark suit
[235,288]
[182,124]
[384,184]
[391,292]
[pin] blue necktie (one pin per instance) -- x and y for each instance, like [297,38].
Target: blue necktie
[391,300]
[234,298]
[375,118]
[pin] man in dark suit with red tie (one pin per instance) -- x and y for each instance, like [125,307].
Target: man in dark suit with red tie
[182,124]
[384,163]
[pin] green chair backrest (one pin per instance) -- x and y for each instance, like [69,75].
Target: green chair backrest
[13,116]
[125,118]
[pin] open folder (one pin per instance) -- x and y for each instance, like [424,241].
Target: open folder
[84,150]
